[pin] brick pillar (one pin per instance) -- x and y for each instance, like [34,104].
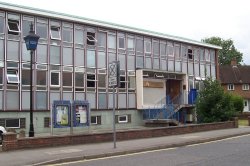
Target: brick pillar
[236,123]
[9,141]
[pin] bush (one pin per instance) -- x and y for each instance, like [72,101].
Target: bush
[214,105]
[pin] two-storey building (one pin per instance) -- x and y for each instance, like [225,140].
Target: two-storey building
[71,63]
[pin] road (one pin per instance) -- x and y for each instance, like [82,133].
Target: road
[228,152]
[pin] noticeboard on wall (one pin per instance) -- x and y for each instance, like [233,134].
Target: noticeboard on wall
[61,113]
[81,113]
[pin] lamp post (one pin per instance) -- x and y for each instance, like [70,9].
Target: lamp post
[31,41]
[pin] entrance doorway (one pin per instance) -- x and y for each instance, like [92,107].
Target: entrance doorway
[173,88]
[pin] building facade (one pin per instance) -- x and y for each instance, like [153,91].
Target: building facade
[234,79]
[71,63]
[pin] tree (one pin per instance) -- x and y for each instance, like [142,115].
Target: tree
[228,51]
[214,105]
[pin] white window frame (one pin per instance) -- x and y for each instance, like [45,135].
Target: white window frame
[12,127]
[15,22]
[230,87]
[245,86]
[59,81]
[14,74]
[122,121]
[58,30]
[91,36]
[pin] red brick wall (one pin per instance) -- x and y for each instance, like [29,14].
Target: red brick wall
[238,91]
[11,142]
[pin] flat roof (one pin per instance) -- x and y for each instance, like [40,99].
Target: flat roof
[83,20]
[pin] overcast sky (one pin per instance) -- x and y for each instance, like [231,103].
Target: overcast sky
[193,19]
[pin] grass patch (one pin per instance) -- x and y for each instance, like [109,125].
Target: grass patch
[243,122]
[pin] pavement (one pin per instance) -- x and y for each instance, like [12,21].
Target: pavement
[52,155]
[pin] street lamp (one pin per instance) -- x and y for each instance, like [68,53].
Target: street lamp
[31,41]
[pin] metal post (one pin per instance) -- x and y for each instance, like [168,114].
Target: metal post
[31,131]
[114,131]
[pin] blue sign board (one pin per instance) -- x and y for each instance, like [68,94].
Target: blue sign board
[61,113]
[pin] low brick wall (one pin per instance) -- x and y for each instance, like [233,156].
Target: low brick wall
[11,142]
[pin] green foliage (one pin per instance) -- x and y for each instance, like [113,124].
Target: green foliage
[228,51]
[214,105]
[238,103]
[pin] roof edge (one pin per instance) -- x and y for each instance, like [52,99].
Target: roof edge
[47,13]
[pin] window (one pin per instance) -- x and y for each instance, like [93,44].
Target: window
[54,78]
[26,25]
[79,36]
[96,120]
[79,79]
[2,24]
[101,60]
[122,82]
[12,76]
[101,80]
[25,77]
[245,87]
[163,50]
[55,33]
[42,30]
[13,27]
[67,35]
[12,123]
[67,79]
[55,54]
[102,101]
[207,55]
[111,41]
[131,82]
[91,38]
[147,47]
[46,122]
[121,42]
[230,87]
[91,58]
[91,80]
[139,45]
[170,49]
[156,48]
[123,118]
[190,54]
[102,39]
[131,44]
[177,51]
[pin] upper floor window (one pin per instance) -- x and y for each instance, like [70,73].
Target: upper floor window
[12,76]
[13,27]
[148,47]
[91,40]
[230,87]
[190,54]
[55,32]
[245,87]
[121,43]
